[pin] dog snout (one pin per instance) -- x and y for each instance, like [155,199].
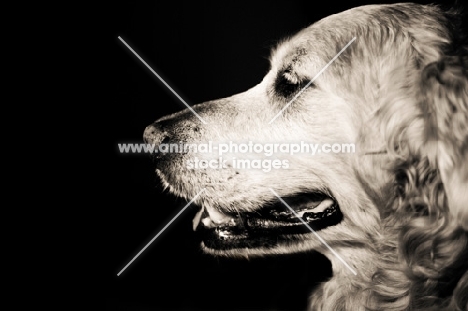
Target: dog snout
[154,134]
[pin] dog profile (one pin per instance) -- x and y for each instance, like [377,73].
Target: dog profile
[395,210]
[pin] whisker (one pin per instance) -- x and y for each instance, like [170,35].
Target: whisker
[376,152]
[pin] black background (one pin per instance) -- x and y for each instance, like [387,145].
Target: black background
[204,50]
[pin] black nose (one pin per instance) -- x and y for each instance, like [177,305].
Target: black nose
[153,134]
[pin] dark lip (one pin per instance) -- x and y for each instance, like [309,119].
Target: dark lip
[272,226]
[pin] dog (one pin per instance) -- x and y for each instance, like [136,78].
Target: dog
[392,216]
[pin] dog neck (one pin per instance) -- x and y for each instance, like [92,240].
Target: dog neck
[345,259]
[346,290]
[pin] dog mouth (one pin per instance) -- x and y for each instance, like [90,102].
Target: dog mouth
[270,226]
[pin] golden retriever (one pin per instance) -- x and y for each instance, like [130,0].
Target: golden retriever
[391,216]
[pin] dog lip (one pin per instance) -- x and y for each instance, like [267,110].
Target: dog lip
[270,225]
[303,205]
[210,217]
[251,231]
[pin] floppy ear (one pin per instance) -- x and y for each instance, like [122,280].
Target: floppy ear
[445,100]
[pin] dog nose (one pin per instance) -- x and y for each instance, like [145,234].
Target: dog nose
[153,134]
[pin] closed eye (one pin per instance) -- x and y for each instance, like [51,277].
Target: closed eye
[287,85]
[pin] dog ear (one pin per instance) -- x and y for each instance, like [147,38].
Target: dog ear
[445,102]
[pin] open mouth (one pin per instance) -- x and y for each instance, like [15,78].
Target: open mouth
[270,226]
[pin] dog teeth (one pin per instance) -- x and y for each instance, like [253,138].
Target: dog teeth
[319,215]
[217,217]
[230,233]
[329,211]
[213,219]
[197,218]
[312,216]
[280,214]
[323,205]
[317,209]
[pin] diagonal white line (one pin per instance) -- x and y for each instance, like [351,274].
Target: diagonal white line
[167,85]
[159,233]
[313,79]
[313,231]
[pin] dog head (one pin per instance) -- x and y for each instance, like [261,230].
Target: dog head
[350,78]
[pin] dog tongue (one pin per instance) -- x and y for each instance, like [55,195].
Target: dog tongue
[213,219]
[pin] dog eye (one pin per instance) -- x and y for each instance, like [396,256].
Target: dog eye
[287,87]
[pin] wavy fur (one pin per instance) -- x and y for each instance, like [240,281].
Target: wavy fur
[425,241]
[401,92]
